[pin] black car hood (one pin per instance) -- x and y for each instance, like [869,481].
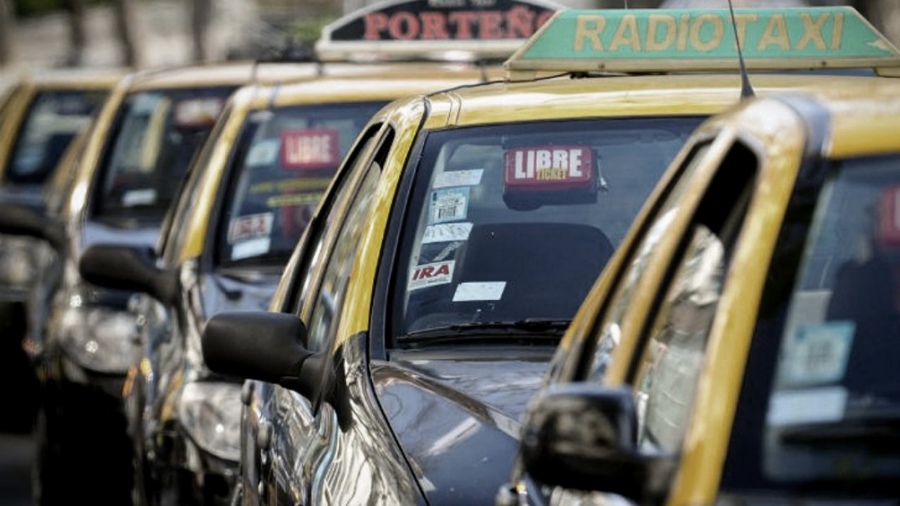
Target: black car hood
[457,415]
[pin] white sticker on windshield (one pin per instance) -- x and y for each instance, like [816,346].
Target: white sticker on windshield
[448,205]
[433,274]
[485,290]
[817,353]
[446,232]
[251,248]
[811,405]
[458,178]
[263,153]
[143,197]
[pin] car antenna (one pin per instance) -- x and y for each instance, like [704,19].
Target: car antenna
[746,89]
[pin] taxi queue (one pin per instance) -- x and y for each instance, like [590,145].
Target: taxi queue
[426,294]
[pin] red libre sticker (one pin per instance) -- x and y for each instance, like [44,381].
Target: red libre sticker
[889,217]
[310,149]
[543,167]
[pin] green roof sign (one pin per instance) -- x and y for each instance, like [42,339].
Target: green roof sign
[648,40]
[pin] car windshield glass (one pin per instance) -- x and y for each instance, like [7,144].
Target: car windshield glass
[53,119]
[833,417]
[149,148]
[513,223]
[281,166]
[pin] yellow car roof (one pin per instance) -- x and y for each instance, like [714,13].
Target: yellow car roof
[63,79]
[235,73]
[618,96]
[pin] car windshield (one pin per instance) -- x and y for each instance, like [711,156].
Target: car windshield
[282,164]
[53,119]
[150,146]
[833,417]
[508,226]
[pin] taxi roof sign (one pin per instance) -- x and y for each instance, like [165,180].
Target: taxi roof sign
[434,29]
[684,40]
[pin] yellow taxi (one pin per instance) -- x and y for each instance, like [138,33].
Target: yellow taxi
[737,347]
[39,114]
[120,182]
[249,196]
[420,310]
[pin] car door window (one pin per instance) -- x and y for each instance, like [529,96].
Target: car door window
[312,251]
[673,351]
[624,293]
[324,319]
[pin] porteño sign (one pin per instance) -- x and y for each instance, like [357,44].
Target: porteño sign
[484,28]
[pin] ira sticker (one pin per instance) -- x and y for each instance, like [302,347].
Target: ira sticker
[438,273]
[448,205]
[458,178]
[817,353]
[550,167]
[445,232]
[310,149]
[250,248]
[263,153]
[475,291]
[250,226]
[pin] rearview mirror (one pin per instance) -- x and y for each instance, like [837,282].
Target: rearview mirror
[16,219]
[264,346]
[584,437]
[128,268]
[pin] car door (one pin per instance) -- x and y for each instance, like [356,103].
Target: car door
[652,330]
[295,430]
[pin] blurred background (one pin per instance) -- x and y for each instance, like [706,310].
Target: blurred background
[38,34]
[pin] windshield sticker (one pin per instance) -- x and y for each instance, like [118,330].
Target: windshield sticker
[537,168]
[286,185]
[294,199]
[144,197]
[250,226]
[458,178]
[438,273]
[251,248]
[310,149]
[448,205]
[446,232]
[817,353]
[812,405]
[263,153]
[197,112]
[474,291]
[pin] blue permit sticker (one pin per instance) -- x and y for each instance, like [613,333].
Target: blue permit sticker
[818,353]
[450,204]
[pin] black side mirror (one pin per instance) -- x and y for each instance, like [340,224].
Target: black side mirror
[17,219]
[265,346]
[584,437]
[128,268]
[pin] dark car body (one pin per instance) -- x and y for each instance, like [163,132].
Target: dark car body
[40,115]
[129,167]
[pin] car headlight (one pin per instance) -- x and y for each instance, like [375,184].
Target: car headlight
[211,414]
[98,338]
[17,261]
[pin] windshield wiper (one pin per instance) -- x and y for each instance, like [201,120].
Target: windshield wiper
[528,327]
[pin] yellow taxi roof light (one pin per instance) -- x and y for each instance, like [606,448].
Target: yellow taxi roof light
[685,40]
[426,29]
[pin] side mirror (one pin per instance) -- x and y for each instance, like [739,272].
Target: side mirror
[584,437]
[128,268]
[265,346]
[17,219]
